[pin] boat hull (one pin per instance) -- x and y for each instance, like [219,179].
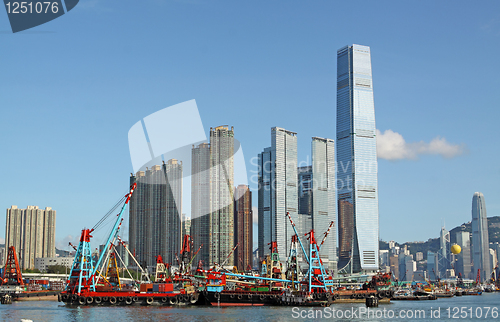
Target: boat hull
[128,299]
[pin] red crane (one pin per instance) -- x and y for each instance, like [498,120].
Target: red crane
[12,272]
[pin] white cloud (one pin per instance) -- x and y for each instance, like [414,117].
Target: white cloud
[255,214]
[2,240]
[392,146]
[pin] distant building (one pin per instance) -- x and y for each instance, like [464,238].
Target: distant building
[496,247]
[186,225]
[123,257]
[384,257]
[243,222]
[480,239]
[432,265]
[493,258]
[43,263]
[2,255]
[406,267]
[32,232]
[463,264]
[394,264]
[419,256]
[444,253]
[154,213]
[420,275]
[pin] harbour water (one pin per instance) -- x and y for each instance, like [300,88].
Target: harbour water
[465,308]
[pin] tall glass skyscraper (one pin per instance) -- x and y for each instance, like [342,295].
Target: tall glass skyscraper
[278,192]
[323,197]
[356,161]
[480,239]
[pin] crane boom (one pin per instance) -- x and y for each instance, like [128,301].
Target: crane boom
[115,227]
[296,233]
[326,234]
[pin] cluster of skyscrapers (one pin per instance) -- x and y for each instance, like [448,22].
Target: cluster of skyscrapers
[306,193]
[477,257]
[221,214]
[309,193]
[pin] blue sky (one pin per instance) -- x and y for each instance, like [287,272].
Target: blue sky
[72,88]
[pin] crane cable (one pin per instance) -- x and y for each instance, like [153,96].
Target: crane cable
[112,210]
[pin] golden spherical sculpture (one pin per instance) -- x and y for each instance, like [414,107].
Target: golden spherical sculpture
[455,249]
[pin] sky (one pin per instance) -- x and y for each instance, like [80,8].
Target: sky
[72,88]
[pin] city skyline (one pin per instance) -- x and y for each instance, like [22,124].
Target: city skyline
[270,72]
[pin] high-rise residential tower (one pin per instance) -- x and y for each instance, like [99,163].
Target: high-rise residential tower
[32,232]
[356,161]
[154,213]
[480,239]
[200,200]
[278,193]
[221,241]
[172,239]
[243,224]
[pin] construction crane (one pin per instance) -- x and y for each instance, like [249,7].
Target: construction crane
[12,272]
[316,274]
[83,273]
[143,272]
[221,266]
[326,234]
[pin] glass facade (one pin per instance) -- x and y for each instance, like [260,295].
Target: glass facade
[278,193]
[264,202]
[285,196]
[357,158]
[480,239]
[323,197]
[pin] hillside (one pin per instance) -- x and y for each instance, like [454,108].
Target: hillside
[433,243]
